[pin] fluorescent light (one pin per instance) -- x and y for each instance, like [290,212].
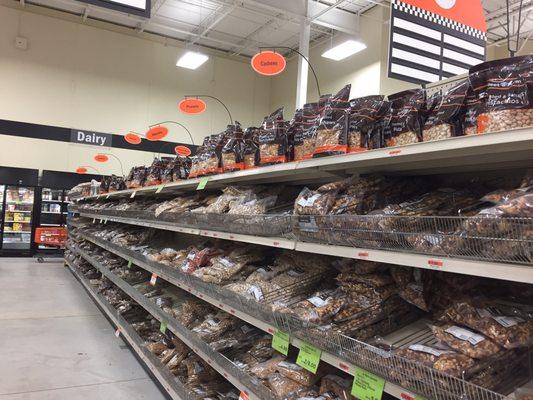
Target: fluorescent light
[191,60]
[343,50]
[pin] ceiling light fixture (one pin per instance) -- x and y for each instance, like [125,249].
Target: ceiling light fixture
[191,60]
[343,50]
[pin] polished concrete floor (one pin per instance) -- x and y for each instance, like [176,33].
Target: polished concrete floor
[56,344]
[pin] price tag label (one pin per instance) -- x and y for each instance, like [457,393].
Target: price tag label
[202,183]
[309,357]
[101,221]
[159,189]
[133,194]
[163,327]
[105,221]
[280,342]
[129,264]
[107,197]
[367,386]
[417,397]
[94,220]
[117,332]
[153,279]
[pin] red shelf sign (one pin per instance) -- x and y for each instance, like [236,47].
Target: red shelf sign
[81,170]
[192,106]
[268,63]
[101,158]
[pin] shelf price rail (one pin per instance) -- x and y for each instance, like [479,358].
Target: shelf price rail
[175,389]
[339,351]
[244,382]
[503,149]
[496,270]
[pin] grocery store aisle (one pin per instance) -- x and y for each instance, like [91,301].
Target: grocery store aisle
[55,343]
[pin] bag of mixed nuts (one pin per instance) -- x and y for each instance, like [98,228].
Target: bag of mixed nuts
[136,177]
[445,114]
[155,171]
[273,139]
[405,125]
[232,152]
[332,131]
[304,143]
[507,98]
[364,113]
[251,150]
[295,126]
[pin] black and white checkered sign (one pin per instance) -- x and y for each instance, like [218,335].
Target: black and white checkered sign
[427,47]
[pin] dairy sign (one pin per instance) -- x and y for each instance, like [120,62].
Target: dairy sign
[268,63]
[91,138]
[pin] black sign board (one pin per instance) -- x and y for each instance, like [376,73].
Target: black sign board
[91,138]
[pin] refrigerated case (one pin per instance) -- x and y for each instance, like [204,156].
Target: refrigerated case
[18,209]
[18,218]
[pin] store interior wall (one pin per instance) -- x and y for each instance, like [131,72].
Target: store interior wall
[77,76]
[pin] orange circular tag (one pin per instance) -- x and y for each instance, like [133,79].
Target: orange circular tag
[132,138]
[156,133]
[81,170]
[192,106]
[101,158]
[182,150]
[268,63]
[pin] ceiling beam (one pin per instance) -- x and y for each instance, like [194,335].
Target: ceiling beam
[212,21]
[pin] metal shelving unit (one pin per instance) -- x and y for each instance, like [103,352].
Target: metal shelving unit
[339,351]
[466,153]
[244,382]
[497,270]
[503,150]
[168,381]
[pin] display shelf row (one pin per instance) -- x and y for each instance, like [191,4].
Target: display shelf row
[466,153]
[165,378]
[253,388]
[483,268]
[341,351]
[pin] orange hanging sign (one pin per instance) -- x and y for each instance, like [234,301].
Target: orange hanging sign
[156,133]
[81,170]
[268,63]
[132,138]
[192,106]
[182,150]
[101,158]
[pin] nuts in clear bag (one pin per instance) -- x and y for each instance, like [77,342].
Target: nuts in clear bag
[465,341]
[405,125]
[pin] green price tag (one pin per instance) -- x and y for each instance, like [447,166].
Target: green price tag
[202,183]
[417,397]
[280,342]
[309,357]
[163,327]
[160,188]
[367,386]
[129,264]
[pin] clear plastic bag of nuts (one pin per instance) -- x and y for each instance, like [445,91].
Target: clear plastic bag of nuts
[405,126]
[505,93]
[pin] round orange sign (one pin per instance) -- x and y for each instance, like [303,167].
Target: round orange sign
[182,150]
[268,63]
[192,106]
[132,138]
[156,133]
[101,158]
[81,170]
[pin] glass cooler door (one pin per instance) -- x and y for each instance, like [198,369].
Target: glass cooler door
[18,217]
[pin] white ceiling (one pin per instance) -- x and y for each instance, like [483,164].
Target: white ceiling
[239,27]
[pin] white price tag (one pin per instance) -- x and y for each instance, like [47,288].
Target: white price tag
[153,279]
[133,194]
[316,301]
[256,292]
[465,334]
[427,349]
[117,332]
